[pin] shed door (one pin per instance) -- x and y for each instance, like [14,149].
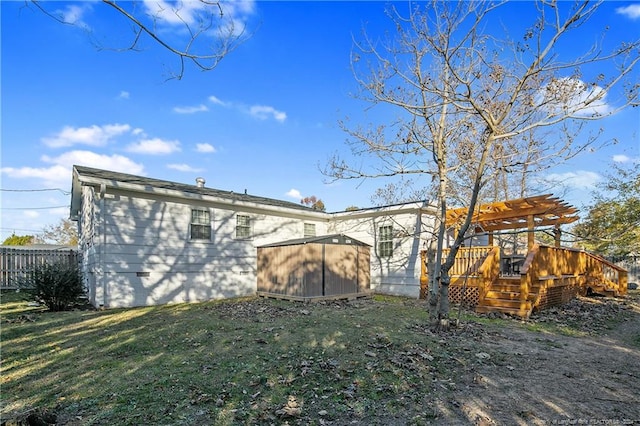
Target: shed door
[340,269]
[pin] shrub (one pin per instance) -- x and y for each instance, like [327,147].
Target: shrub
[56,285]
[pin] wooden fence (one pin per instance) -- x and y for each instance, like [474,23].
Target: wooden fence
[17,262]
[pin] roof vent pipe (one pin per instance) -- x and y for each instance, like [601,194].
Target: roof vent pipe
[200,182]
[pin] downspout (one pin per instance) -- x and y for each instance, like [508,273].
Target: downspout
[323,268]
[103,248]
[357,269]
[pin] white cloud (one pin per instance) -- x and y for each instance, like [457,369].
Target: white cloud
[263,112]
[205,148]
[92,136]
[191,109]
[241,7]
[73,14]
[123,95]
[189,12]
[55,175]
[177,14]
[632,11]
[31,214]
[217,101]
[580,179]
[294,193]
[183,168]
[572,96]
[155,146]
[118,163]
[621,158]
[58,173]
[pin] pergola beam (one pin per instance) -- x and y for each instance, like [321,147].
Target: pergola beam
[524,213]
[523,224]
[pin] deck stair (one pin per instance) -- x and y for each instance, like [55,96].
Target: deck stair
[504,296]
[604,289]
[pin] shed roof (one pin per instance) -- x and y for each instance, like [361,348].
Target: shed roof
[545,210]
[339,239]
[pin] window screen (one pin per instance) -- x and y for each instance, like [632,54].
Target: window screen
[200,224]
[385,241]
[243,226]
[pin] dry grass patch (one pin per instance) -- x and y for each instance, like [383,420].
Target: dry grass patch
[248,361]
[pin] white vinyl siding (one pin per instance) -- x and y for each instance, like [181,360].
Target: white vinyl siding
[142,248]
[400,273]
[147,257]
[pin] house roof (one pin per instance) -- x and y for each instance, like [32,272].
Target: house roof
[341,239]
[83,175]
[90,175]
[544,210]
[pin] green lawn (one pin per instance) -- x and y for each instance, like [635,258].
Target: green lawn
[225,362]
[243,361]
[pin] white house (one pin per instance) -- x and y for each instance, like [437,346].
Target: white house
[148,241]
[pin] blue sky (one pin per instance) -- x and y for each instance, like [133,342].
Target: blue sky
[264,120]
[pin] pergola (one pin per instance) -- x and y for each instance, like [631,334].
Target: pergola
[530,213]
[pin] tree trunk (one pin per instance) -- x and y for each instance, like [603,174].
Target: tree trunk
[435,299]
[443,307]
[432,294]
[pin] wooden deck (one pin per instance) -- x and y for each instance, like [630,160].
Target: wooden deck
[550,276]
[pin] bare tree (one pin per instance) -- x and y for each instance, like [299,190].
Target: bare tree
[470,99]
[402,191]
[200,32]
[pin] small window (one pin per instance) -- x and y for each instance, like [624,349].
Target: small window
[200,224]
[309,230]
[385,241]
[243,226]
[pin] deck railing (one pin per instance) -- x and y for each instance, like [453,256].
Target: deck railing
[612,276]
[554,275]
[549,276]
[470,270]
[18,262]
[489,272]
[468,259]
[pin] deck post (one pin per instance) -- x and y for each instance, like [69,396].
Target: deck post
[557,233]
[424,276]
[530,234]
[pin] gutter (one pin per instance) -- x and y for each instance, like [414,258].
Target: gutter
[206,198]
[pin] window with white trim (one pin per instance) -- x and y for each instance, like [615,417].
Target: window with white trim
[200,224]
[385,241]
[243,226]
[309,230]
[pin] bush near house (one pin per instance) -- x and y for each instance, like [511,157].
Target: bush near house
[56,285]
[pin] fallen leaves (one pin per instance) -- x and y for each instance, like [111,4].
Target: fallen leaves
[292,408]
[590,315]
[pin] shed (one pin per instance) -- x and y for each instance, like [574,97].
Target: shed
[314,268]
